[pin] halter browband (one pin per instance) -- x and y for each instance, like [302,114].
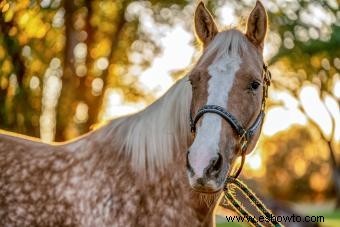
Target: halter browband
[244,134]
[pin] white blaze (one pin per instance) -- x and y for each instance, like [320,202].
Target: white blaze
[206,143]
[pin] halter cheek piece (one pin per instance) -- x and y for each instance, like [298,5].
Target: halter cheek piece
[244,134]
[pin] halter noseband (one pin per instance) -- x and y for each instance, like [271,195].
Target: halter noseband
[244,134]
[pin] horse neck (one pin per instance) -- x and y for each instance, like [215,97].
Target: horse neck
[155,142]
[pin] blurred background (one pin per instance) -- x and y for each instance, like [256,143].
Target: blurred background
[66,66]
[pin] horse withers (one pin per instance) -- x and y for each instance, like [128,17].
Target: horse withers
[146,169]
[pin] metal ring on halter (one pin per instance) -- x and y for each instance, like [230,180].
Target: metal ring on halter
[239,170]
[243,149]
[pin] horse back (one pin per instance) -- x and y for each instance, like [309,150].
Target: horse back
[33,177]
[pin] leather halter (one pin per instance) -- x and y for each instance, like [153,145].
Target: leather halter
[244,134]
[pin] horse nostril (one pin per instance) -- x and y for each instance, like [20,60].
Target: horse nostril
[215,165]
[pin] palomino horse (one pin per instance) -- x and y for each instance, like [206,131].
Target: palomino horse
[146,169]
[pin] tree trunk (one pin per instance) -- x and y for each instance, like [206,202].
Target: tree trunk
[17,113]
[79,89]
[70,81]
[95,102]
[335,173]
[332,152]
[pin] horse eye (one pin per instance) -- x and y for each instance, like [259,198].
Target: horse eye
[254,85]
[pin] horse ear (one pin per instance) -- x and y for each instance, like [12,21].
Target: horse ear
[205,26]
[257,25]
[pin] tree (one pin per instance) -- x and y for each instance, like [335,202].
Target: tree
[61,57]
[314,61]
[299,163]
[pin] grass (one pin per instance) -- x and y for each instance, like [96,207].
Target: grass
[332,219]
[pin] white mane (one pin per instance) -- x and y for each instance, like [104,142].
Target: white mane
[152,136]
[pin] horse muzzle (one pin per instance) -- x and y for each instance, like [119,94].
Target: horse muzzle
[206,174]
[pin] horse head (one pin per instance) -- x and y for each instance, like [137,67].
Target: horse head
[229,86]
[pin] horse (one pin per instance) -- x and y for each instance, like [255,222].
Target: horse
[155,167]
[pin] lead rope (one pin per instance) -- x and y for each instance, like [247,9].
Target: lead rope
[255,201]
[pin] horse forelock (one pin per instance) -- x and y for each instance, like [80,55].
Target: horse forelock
[230,42]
